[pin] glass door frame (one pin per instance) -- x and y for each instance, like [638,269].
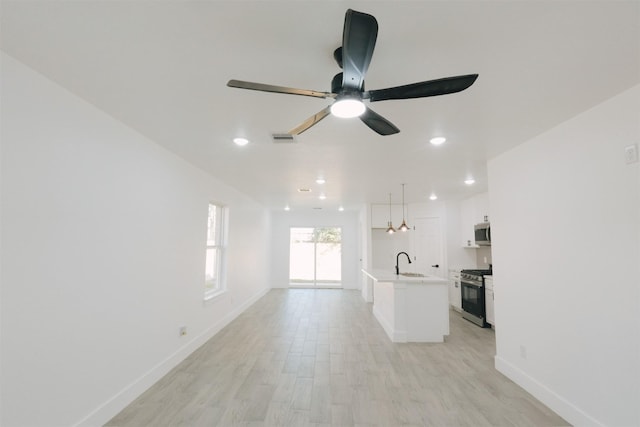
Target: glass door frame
[315,283]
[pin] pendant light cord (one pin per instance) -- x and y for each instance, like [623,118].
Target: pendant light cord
[403,203]
[390,230]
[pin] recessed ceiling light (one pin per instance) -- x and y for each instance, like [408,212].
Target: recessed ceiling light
[433,197]
[287,208]
[304,190]
[438,140]
[469,181]
[322,197]
[240,141]
[340,208]
[320,181]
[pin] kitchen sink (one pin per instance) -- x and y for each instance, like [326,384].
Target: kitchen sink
[412,274]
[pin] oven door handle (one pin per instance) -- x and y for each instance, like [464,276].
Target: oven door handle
[472,284]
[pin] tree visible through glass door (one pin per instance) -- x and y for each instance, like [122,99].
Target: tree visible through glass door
[315,256]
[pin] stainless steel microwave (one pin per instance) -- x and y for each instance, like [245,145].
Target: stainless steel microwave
[483,234]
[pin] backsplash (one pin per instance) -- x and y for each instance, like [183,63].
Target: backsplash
[385,247]
[482,254]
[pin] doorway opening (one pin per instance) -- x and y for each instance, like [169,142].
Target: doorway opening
[315,257]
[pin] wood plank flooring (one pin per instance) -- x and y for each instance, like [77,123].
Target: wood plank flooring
[305,357]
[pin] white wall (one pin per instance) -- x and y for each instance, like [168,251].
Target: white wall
[103,239]
[366,251]
[385,248]
[566,247]
[283,221]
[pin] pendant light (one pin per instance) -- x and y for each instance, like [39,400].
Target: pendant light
[403,227]
[390,230]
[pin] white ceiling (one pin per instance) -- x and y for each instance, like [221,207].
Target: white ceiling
[161,67]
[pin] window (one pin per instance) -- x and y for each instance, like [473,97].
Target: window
[215,255]
[315,256]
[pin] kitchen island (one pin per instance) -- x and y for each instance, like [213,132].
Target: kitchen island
[410,308]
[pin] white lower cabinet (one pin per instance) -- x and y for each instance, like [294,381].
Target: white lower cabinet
[412,312]
[455,293]
[488,301]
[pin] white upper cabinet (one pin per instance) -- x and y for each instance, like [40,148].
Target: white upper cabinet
[473,211]
[467,220]
[481,208]
[380,215]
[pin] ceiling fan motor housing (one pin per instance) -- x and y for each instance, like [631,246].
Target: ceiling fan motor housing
[336,86]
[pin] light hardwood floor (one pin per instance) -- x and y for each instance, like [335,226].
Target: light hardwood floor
[303,357]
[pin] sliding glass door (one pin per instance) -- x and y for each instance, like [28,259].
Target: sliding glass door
[315,256]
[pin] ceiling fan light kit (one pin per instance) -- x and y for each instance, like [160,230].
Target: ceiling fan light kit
[347,88]
[348,107]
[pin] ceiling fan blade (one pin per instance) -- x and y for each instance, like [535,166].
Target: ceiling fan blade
[310,122]
[378,123]
[423,89]
[358,40]
[279,89]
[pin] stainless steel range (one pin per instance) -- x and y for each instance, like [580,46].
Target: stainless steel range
[472,286]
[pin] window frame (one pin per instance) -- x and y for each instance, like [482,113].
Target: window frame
[219,245]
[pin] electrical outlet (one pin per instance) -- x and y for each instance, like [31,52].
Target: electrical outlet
[631,153]
[183,331]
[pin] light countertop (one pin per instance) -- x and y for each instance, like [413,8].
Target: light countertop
[390,276]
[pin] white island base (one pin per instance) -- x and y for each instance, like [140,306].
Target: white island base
[411,309]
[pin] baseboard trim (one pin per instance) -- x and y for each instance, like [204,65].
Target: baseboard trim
[394,335]
[557,403]
[128,394]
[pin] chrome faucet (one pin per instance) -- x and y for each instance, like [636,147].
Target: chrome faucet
[397,261]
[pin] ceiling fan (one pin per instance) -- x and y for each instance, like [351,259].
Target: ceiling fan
[347,88]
